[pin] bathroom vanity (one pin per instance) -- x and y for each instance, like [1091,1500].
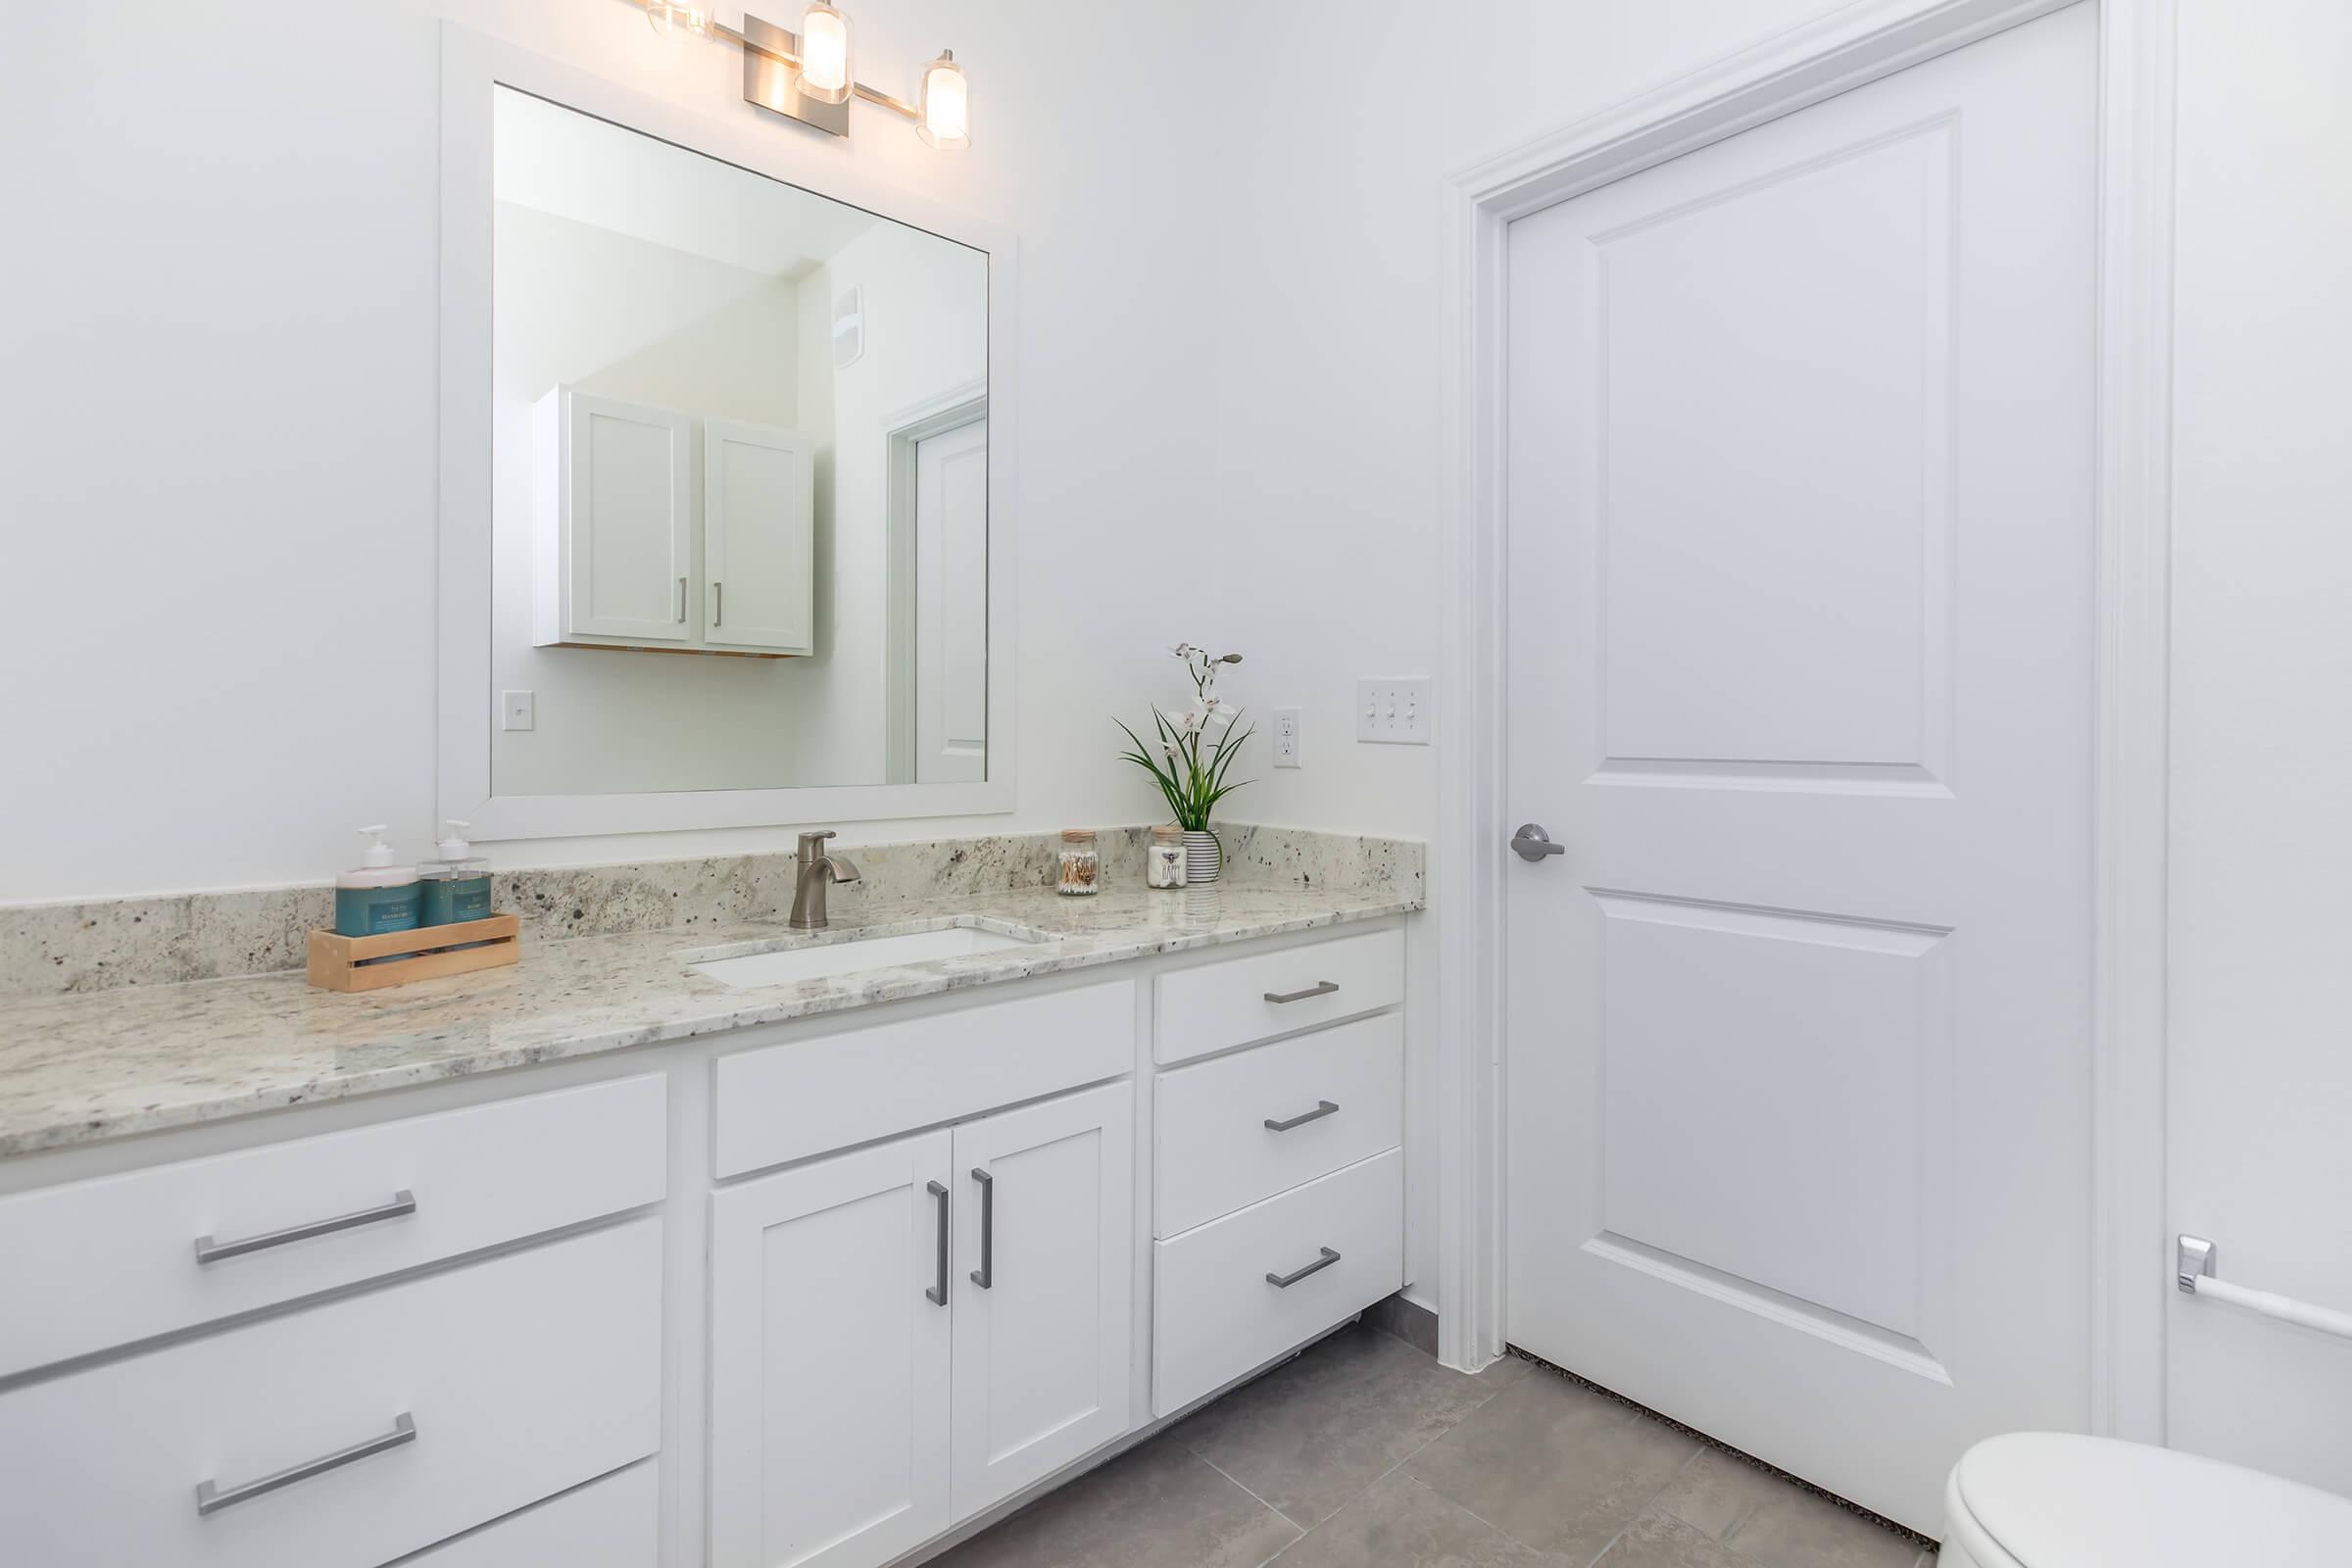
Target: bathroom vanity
[609,1260]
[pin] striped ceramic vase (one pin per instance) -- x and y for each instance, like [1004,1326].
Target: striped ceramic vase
[1203,860]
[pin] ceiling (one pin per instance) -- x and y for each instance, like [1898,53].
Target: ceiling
[560,161]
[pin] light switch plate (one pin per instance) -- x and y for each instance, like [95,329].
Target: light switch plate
[518,710]
[1394,711]
[1286,737]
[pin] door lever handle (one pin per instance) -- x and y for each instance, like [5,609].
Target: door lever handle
[1532,842]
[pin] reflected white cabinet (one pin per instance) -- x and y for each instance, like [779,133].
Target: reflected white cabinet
[614,521]
[902,1336]
[758,538]
[635,544]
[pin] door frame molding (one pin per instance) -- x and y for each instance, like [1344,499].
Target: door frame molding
[1856,44]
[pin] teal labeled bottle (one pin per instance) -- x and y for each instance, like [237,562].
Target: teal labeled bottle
[375,895]
[457,886]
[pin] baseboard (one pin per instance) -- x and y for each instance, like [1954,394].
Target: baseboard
[1405,1319]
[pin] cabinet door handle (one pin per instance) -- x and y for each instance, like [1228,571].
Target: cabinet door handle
[985,1276]
[1323,1109]
[1321,987]
[209,1251]
[681,600]
[939,1293]
[210,1500]
[718,608]
[1283,1282]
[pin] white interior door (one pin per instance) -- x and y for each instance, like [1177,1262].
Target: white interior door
[829,1345]
[759,505]
[631,519]
[951,600]
[1800,510]
[1045,1256]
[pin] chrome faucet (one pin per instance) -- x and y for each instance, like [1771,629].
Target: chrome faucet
[817,870]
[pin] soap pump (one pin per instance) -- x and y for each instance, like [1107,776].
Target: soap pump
[375,895]
[457,886]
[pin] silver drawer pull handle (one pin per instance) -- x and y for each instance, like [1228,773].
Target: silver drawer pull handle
[937,1294]
[985,1276]
[209,1251]
[1283,1282]
[1323,1109]
[1321,987]
[211,1500]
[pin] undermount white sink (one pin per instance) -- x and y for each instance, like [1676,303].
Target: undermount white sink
[855,955]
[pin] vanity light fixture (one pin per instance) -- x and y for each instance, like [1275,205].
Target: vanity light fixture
[808,76]
[825,55]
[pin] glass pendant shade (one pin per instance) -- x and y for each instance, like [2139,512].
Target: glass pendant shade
[825,55]
[665,15]
[945,105]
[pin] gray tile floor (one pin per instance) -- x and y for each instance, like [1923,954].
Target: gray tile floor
[1366,1454]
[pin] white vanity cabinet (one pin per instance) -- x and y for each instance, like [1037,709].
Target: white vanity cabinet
[906,1335]
[805,1294]
[636,545]
[830,1345]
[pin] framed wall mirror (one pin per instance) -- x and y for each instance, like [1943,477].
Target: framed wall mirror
[725,468]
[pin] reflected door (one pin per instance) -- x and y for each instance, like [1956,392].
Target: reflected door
[951,587]
[1800,509]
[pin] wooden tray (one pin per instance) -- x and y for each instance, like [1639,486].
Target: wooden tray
[337,962]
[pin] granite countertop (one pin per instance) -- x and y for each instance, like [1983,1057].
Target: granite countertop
[80,1069]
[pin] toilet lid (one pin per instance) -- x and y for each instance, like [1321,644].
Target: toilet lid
[2054,1500]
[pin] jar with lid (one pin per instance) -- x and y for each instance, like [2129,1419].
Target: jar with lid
[1164,859]
[1081,867]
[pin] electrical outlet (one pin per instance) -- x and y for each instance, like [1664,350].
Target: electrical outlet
[1286,737]
[518,711]
[1394,711]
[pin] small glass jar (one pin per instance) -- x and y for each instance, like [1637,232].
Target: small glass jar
[1081,867]
[1163,858]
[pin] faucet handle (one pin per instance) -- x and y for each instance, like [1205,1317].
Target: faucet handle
[813,843]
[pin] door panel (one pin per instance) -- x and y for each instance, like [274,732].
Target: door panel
[950,696]
[631,525]
[829,1392]
[1042,1350]
[758,498]
[1800,508]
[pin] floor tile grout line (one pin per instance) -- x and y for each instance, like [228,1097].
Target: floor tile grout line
[1254,1497]
[1650,1502]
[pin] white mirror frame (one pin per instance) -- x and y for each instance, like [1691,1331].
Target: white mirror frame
[472,65]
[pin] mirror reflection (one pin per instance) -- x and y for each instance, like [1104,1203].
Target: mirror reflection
[740,476]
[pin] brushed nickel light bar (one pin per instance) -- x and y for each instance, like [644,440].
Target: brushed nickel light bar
[806,75]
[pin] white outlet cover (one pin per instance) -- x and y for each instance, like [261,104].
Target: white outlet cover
[518,710]
[1393,710]
[1285,739]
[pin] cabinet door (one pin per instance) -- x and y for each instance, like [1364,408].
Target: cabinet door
[1044,1279]
[630,523]
[829,1349]
[758,538]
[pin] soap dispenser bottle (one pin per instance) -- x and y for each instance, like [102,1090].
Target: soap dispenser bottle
[457,886]
[375,895]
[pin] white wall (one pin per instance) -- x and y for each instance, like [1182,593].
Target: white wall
[624,317]
[1327,377]
[2261,1050]
[925,309]
[220,401]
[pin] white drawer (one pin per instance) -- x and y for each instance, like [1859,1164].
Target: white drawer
[1216,1152]
[1232,1001]
[613,1523]
[1215,1312]
[786,1102]
[114,1260]
[523,1376]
